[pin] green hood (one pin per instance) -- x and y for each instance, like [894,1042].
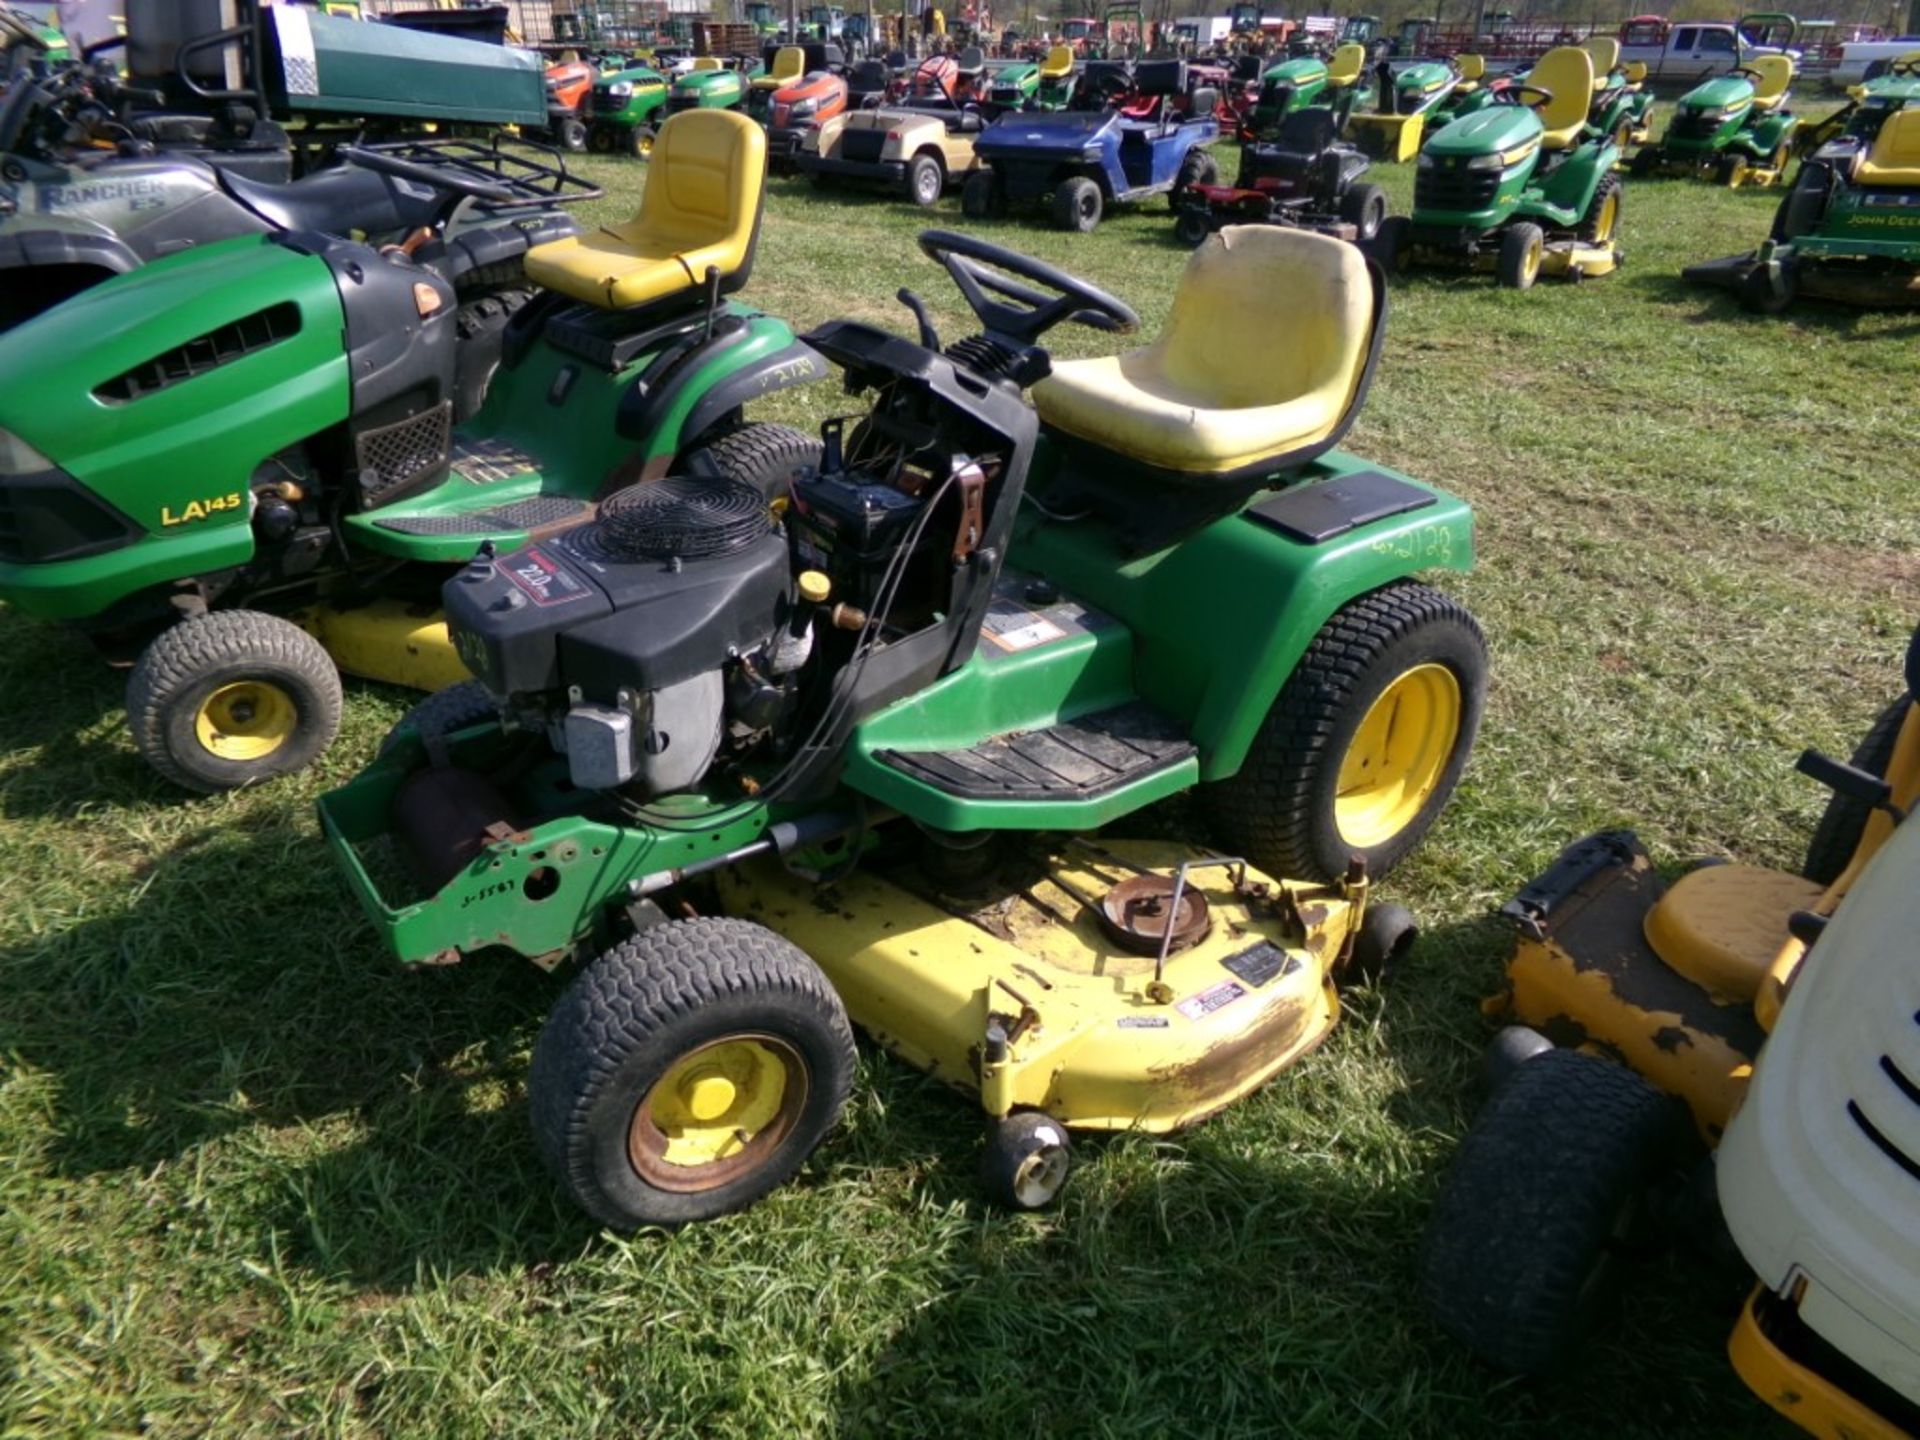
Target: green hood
[1296,73]
[1723,92]
[713,87]
[1423,78]
[1497,128]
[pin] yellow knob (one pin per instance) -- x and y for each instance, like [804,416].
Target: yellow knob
[814,587]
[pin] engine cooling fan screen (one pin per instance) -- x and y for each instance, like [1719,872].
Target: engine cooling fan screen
[688,518]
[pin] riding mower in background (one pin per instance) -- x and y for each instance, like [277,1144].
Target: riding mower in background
[915,147]
[1868,105]
[1846,230]
[1059,79]
[1641,1011]
[1473,89]
[866,752]
[1011,84]
[1524,187]
[1735,127]
[812,100]
[236,461]
[1306,178]
[1622,103]
[709,85]
[783,65]
[628,107]
[569,100]
[1146,135]
[1342,83]
[90,199]
[1408,101]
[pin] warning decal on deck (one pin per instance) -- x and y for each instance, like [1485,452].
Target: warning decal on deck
[1014,627]
[1214,997]
[1143,1022]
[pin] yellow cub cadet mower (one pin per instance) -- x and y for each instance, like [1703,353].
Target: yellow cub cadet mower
[1641,1014]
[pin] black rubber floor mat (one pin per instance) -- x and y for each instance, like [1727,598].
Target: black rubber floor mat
[1074,760]
[528,514]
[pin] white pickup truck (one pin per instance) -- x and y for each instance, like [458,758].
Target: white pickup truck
[1680,54]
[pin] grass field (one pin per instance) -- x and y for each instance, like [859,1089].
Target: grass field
[256,1181]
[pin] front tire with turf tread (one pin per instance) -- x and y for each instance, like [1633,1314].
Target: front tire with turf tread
[443,712]
[1517,265]
[925,181]
[763,456]
[1545,1196]
[1279,810]
[1364,207]
[1844,821]
[191,660]
[639,1009]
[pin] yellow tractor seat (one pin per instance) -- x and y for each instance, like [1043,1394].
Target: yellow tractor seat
[1471,69]
[1722,925]
[1605,50]
[1894,159]
[1636,74]
[789,63]
[1565,72]
[1347,64]
[1059,62]
[1776,74]
[701,208]
[1264,356]
[706,62]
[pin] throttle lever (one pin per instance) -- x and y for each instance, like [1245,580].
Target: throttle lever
[929,337]
[1850,780]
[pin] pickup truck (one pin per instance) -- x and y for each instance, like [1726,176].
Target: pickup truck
[1680,54]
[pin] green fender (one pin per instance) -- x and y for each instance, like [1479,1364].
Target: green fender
[176,460]
[1771,133]
[1570,189]
[1221,619]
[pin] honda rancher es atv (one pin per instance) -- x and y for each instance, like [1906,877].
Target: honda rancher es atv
[844,757]
[238,462]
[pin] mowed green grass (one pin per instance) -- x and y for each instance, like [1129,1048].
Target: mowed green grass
[255,1180]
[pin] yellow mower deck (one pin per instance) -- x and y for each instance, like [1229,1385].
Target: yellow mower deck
[1090,1037]
[1393,138]
[397,641]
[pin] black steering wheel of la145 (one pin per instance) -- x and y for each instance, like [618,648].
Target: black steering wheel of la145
[448,179]
[973,264]
[1513,94]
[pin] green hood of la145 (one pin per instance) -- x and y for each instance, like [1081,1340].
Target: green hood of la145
[1723,92]
[1499,128]
[161,392]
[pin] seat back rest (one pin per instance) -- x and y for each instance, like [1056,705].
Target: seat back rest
[1347,63]
[1776,74]
[705,186]
[789,63]
[707,62]
[1307,132]
[1636,72]
[1896,150]
[1605,50]
[1470,67]
[1161,77]
[972,60]
[1567,73]
[1059,62]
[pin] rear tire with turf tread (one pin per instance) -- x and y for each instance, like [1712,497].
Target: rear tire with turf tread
[188,663]
[1589,231]
[480,328]
[443,712]
[980,197]
[640,1009]
[763,456]
[1543,1198]
[1279,810]
[1844,820]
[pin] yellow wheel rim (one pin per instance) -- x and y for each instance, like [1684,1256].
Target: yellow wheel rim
[1397,756]
[247,720]
[1609,217]
[643,146]
[717,1113]
[1532,271]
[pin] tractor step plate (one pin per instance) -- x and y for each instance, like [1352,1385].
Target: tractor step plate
[532,513]
[1075,759]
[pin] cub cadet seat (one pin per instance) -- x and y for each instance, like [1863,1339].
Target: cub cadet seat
[1605,50]
[701,208]
[1775,74]
[1213,396]
[1058,64]
[1894,159]
[1471,69]
[1722,925]
[1349,62]
[1566,73]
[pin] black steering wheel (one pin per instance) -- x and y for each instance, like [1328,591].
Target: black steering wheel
[448,180]
[1748,71]
[1110,85]
[973,263]
[1512,94]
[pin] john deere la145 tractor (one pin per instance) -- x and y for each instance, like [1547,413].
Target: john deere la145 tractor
[1773,1015]
[1524,187]
[859,745]
[234,461]
[1735,128]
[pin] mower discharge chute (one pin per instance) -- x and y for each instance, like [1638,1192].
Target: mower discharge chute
[1524,187]
[1408,101]
[1735,128]
[1639,1013]
[307,432]
[865,737]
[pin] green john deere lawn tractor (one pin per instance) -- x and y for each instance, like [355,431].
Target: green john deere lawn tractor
[1868,104]
[1848,229]
[846,751]
[711,87]
[627,109]
[1409,101]
[249,464]
[1524,187]
[1735,128]
[1341,84]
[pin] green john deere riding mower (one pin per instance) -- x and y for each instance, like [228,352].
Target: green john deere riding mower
[627,109]
[1342,84]
[841,752]
[1735,128]
[1848,229]
[1524,187]
[1409,102]
[244,465]
[1868,105]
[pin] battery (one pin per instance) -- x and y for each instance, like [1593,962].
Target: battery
[851,528]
